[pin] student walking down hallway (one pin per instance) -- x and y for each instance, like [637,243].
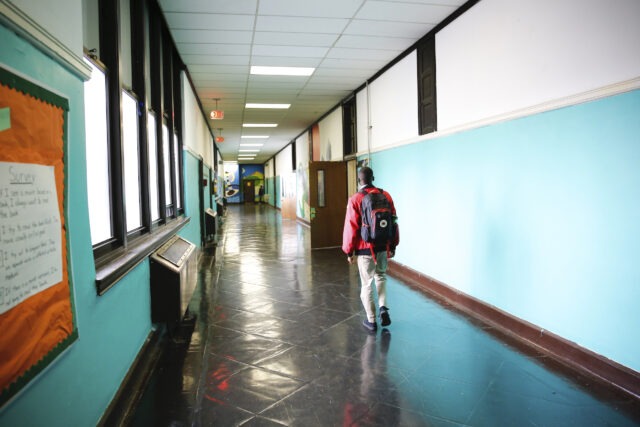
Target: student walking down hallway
[279,341]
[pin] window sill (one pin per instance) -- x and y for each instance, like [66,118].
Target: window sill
[114,266]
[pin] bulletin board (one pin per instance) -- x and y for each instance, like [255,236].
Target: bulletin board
[37,321]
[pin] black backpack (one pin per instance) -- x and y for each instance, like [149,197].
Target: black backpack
[378,222]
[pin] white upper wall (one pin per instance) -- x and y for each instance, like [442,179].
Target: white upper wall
[268,169]
[302,151]
[505,55]
[393,101]
[62,19]
[195,131]
[362,121]
[284,162]
[331,147]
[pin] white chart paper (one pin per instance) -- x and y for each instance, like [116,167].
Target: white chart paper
[30,233]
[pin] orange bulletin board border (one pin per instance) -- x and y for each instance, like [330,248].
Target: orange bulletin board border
[37,330]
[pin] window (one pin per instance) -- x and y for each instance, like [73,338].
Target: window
[154,188]
[133,150]
[131,162]
[166,156]
[427,118]
[97,150]
[176,171]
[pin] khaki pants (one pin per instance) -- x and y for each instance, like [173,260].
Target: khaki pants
[370,273]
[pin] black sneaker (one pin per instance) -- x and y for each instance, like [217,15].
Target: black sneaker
[369,325]
[385,320]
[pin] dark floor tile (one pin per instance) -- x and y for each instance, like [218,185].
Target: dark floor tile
[261,422]
[278,340]
[251,389]
[302,363]
[318,406]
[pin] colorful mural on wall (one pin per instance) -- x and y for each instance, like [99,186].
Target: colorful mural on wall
[303,209]
[254,173]
[231,183]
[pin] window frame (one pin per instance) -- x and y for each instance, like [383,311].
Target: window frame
[115,256]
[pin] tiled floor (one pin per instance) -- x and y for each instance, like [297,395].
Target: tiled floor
[278,341]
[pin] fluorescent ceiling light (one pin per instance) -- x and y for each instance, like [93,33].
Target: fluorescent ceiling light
[255,136]
[249,151]
[251,145]
[274,106]
[259,125]
[281,71]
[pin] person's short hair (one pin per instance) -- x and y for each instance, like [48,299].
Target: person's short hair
[365,174]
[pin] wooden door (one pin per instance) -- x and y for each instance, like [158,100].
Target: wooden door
[249,192]
[328,202]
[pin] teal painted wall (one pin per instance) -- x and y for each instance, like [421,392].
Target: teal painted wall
[278,198]
[271,191]
[192,189]
[538,216]
[79,385]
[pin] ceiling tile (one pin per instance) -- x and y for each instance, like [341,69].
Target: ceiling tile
[362,73]
[285,61]
[216,59]
[322,9]
[364,54]
[353,64]
[212,36]
[404,12]
[206,73]
[300,24]
[455,3]
[388,29]
[218,69]
[210,21]
[213,49]
[371,42]
[273,81]
[208,6]
[305,52]
[298,39]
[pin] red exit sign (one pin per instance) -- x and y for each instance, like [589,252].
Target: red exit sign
[217,115]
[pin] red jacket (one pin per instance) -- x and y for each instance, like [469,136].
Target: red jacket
[351,239]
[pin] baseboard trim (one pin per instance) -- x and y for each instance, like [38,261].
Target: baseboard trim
[564,351]
[125,401]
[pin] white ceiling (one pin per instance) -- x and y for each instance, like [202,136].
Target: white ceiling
[346,40]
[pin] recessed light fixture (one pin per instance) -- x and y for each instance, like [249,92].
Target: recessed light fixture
[249,151]
[251,145]
[254,136]
[273,106]
[259,125]
[281,71]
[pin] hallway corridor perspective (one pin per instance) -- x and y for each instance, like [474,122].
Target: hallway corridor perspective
[278,340]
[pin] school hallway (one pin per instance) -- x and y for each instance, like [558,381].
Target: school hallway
[278,340]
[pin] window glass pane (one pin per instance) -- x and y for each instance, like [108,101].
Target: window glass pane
[153,167]
[167,165]
[125,43]
[131,161]
[91,26]
[321,188]
[95,111]
[176,162]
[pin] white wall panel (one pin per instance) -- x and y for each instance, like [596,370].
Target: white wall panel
[503,55]
[284,164]
[195,133]
[62,19]
[362,120]
[394,103]
[331,148]
[302,150]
